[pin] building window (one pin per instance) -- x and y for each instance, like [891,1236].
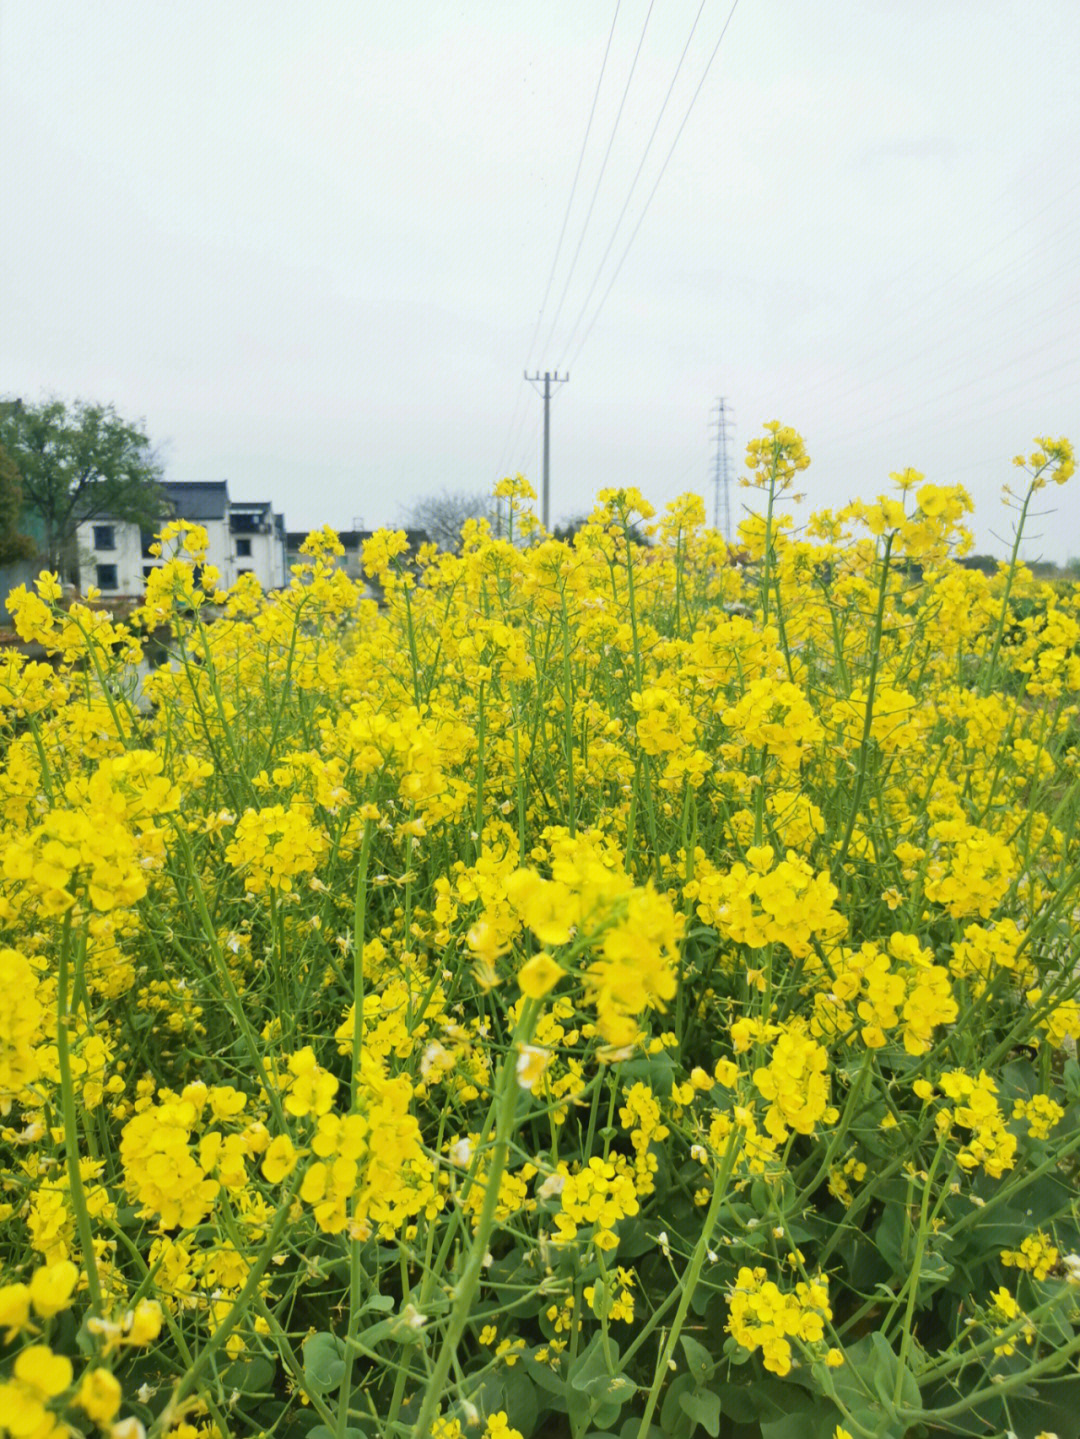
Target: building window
[106,577]
[243,548]
[244,572]
[104,537]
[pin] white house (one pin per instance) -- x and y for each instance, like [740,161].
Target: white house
[110,556]
[115,555]
[258,541]
[207,505]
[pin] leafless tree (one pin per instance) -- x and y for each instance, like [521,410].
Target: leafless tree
[442,516]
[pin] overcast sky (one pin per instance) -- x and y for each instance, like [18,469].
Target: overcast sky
[309,244]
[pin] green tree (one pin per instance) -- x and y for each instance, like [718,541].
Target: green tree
[78,462]
[13,545]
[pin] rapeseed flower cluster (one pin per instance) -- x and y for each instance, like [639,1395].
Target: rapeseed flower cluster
[573,977]
[762,1316]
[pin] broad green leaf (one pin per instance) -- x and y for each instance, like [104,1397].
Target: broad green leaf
[249,1376]
[700,1362]
[703,1407]
[542,1374]
[324,1362]
[674,1420]
[888,1374]
[592,1363]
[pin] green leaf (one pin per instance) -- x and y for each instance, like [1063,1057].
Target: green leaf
[816,1423]
[1018,1080]
[611,1390]
[703,1407]
[324,1362]
[375,1333]
[934,1271]
[655,1070]
[888,1371]
[700,1362]
[605,1414]
[520,1400]
[876,1423]
[889,1236]
[592,1364]
[542,1374]
[631,1427]
[488,1395]
[761,1197]
[736,1402]
[635,1238]
[602,1298]
[674,1420]
[249,1376]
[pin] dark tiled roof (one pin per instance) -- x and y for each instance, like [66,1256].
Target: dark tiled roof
[198,501]
[352,538]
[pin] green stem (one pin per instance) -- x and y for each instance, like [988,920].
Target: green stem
[239,1014]
[356,1268]
[690,1280]
[991,663]
[237,1311]
[1003,1384]
[64,1019]
[469,1283]
[864,742]
[913,1277]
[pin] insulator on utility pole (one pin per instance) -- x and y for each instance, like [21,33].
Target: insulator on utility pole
[548,379]
[722,475]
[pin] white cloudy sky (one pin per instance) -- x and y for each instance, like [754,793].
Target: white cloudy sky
[309,243]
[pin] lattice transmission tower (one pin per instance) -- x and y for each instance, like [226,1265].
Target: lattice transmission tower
[724,420]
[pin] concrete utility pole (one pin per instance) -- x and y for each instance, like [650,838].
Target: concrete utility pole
[534,380]
[722,481]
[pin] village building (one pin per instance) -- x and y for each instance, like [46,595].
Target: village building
[249,536]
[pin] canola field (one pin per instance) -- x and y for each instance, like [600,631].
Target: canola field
[621,987]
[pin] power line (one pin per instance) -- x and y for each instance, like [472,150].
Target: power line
[509,445]
[949,280]
[633,182]
[933,403]
[596,314]
[506,446]
[528,448]
[951,355]
[600,177]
